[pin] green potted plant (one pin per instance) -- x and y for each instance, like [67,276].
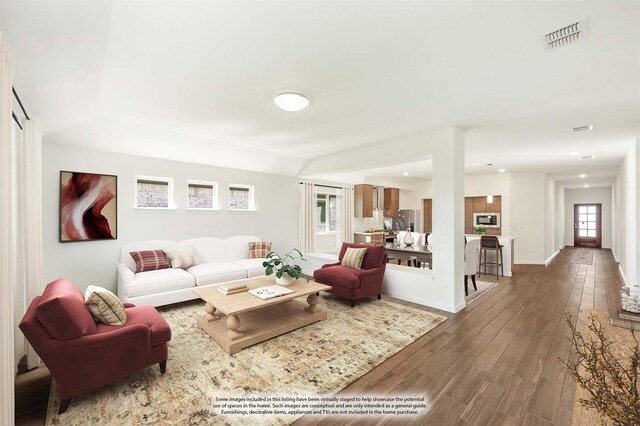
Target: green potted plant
[481,230]
[286,272]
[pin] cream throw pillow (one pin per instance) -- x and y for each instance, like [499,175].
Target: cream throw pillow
[181,257]
[105,306]
[353,257]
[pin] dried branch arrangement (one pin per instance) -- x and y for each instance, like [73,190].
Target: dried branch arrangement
[610,379]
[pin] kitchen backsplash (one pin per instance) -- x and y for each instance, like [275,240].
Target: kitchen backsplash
[375,222]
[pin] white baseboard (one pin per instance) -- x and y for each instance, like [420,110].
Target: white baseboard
[548,261]
[528,262]
[624,277]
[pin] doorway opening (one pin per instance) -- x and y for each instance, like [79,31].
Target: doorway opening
[587,225]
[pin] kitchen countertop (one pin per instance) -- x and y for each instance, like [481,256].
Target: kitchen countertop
[500,237]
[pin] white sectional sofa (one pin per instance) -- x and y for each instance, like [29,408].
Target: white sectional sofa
[218,261]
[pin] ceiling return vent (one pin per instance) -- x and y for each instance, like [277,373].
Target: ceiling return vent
[583,128]
[566,35]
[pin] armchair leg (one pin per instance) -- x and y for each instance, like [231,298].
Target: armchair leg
[466,285]
[163,366]
[473,280]
[380,297]
[64,405]
[353,303]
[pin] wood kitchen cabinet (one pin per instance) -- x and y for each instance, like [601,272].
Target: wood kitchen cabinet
[468,215]
[391,202]
[479,204]
[496,206]
[363,200]
[427,209]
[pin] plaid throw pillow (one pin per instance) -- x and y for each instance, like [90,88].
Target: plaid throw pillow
[353,257]
[259,250]
[105,306]
[149,260]
[182,257]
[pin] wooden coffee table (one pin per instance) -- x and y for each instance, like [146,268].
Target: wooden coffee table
[250,320]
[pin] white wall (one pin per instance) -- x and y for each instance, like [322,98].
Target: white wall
[550,218]
[528,213]
[95,262]
[625,239]
[585,196]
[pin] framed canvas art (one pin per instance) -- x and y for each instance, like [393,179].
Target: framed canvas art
[88,206]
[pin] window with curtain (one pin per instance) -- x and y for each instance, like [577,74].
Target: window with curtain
[326,213]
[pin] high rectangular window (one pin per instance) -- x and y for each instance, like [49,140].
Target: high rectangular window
[326,212]
[154,192]
[202,195]
[241,197]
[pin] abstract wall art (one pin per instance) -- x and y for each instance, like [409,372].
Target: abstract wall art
[88,206]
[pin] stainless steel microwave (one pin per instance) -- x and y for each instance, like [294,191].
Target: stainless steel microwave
[489,220]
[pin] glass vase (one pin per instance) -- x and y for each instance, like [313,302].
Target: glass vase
[408,239]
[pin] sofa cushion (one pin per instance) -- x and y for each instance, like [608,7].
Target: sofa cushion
[217,272]
[207,250]
[148,315]
[150,260]
[353,257]
[338,275]
[127,248]
[181,257]
[259,249]
[62,312]
[105,306]
[253,266]
[152,282]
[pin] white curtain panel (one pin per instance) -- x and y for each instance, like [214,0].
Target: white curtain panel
[307,223]
[8,238]
[347,215]
[32,217]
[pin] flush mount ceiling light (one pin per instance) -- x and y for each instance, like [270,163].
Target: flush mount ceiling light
[291,101]
[583,176]
[502,170]
[405,174]
[586,157]
[586,186]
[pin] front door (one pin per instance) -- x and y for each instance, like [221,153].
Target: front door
[587,225]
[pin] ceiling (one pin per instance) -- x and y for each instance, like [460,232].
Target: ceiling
[146,78]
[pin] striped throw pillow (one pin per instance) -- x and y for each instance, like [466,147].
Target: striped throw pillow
[259,250]
[181,257]
[353,257]
[149,260]
[105,306]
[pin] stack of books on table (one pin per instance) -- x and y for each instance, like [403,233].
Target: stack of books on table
[232,288]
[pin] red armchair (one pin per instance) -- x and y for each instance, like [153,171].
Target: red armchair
[83,355]
[354,284]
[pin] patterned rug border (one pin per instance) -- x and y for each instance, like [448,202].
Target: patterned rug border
[51,417]
[475,295]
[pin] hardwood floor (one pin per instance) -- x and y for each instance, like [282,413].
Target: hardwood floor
[493,363]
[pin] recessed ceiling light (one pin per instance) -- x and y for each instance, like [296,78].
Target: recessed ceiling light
[586,186]
[583,176]
[502,170]
[291,101]
[405,174]
[574,153]
[586,157]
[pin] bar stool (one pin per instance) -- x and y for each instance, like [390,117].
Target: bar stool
[491,243]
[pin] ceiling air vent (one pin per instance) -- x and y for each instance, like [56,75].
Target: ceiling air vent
[566,35]
[583,128]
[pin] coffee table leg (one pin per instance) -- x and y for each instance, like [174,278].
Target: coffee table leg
[233,324]
[312,300]
[210,312]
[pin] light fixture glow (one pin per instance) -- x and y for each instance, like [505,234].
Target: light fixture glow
[574,153]
[586,157]
[582,176]
[586,186]
[291,101]
[405,174]
[489,199]
[502,170]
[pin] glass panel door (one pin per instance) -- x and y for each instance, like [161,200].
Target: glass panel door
[587,225]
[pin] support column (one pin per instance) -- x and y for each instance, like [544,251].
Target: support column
[635,210]
[448,219]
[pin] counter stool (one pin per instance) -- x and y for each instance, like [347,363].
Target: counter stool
[491,243]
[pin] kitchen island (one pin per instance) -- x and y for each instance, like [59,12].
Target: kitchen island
[507,253]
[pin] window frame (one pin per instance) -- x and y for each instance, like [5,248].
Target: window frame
[251,204]
[167,180]
[215,202]
[327,199]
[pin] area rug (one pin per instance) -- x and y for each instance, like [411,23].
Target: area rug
[582,256]
[318,360]
[483,287]
[622,341]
